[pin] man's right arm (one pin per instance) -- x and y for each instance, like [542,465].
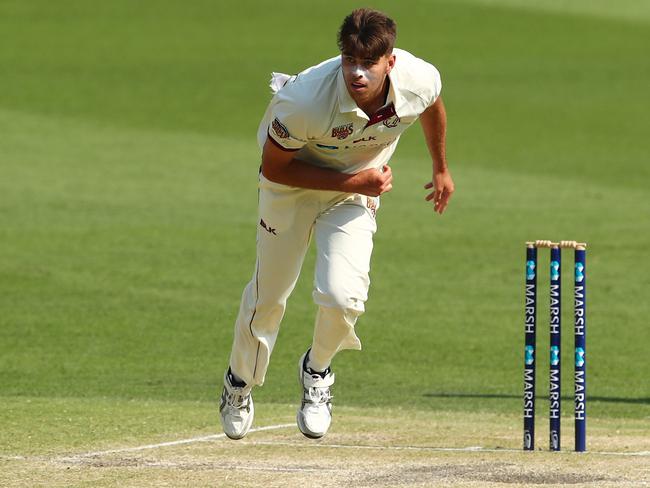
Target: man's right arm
[280,166]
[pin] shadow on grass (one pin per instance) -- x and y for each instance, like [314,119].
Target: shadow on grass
[640,401]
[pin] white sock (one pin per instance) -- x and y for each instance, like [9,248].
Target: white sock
[315,365]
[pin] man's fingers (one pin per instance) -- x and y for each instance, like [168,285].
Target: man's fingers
[442,202]
[440,198]
[438,201]
[386,187]
[387,178]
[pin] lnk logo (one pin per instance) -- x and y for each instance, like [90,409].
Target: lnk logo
[267,227]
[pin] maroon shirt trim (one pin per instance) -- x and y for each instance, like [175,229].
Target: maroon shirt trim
[382,114]
[280,146]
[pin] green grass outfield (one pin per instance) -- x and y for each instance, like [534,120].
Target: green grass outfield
[128,169]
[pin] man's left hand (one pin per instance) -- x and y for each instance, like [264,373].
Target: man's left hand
[443,187]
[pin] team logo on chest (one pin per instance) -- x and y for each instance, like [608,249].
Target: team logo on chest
[386,115]
[343,131]
[391,121]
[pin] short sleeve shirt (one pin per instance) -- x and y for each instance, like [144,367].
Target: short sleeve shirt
[314,114]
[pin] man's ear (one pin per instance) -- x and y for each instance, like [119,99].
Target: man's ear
[391,63]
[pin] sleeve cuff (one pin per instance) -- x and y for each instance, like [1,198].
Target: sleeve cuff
[280,146]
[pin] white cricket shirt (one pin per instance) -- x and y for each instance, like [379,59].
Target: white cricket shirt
[314,114]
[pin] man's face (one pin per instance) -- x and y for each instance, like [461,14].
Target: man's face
[364,78]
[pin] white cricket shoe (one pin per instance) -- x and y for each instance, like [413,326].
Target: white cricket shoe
[236,408]
[315,412]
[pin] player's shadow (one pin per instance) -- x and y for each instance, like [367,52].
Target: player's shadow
[594,398]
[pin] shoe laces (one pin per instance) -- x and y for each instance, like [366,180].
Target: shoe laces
[318,395]
[236,398]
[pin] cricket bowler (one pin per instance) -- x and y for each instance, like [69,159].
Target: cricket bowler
[327,137]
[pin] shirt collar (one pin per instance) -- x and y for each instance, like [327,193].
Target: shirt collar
[395,95]
[346,103]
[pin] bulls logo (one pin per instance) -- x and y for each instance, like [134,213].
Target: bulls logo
[342,131]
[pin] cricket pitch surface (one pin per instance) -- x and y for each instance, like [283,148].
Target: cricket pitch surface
[365,447]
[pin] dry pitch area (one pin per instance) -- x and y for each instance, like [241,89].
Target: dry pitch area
[365,448]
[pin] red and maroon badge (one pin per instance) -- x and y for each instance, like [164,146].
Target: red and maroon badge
[392,121]
[343,131]
[280,130]
[385,115]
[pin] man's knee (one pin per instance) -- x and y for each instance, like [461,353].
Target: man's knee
[267,317]
[339,299]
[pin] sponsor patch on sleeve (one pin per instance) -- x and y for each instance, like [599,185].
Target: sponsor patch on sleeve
[280,130]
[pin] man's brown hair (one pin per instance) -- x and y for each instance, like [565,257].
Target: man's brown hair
[367,33]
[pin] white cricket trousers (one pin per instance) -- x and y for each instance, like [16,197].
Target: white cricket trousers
[343,225]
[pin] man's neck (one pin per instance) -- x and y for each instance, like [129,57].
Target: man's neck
[377,101]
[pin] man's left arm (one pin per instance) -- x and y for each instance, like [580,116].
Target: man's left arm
[434,125]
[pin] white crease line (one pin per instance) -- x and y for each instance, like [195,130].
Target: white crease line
[632,453]
[170,443]
[214,437]
[432,449]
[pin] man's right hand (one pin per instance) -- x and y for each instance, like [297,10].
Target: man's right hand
[373,182]
[279,165]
